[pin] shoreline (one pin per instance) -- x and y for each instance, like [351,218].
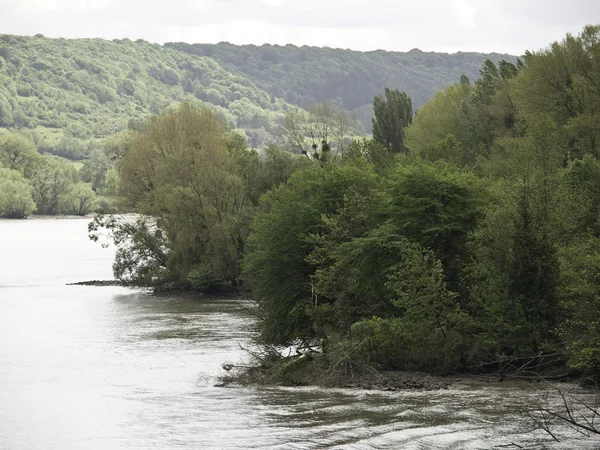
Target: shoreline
[315,371]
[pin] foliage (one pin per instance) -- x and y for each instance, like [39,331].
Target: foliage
[305,75]
[276,265]
[179,170]
[438,118]
[52,182]
[438,207]
[392,115]
[71,94]
[18,153]
[562,82]
[142,249]
[322,133]
[81,199]
[477,247]
[474,113]
[371,151]
[15,195]
[580,297]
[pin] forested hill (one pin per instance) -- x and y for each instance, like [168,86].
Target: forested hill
[303,75]
[70,93]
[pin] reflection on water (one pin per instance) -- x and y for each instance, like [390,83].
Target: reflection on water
[111,368]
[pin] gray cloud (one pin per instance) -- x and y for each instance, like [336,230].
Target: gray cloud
[509,26]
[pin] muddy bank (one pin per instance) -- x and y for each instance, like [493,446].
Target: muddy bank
[219,293]
[223,293]
[97,283]
[316,371]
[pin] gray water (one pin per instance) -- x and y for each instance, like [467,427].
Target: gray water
[112,368]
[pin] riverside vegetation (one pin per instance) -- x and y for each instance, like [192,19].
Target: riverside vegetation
[465,238]
[82,100]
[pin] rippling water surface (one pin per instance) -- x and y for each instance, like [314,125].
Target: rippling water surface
[112,368]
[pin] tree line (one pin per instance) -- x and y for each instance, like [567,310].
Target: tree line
[465,235]
[45,184]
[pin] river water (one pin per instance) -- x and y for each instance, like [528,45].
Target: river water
[113,368]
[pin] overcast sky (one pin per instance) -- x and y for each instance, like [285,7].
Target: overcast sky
[506,26]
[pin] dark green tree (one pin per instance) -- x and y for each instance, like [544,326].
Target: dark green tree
[392,115]
[287,230]
[437,206]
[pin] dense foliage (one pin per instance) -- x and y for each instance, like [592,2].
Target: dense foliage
[306,75]
[71,93]
[195,185]
[48,184]
[476,246]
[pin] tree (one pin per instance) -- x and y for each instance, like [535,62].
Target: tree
[322,133]
[18,153]
[80,200]
[15,195]
[94,170]
[280,261]
[52,181]
[438,118]
[180,171]
[392,115]
[437,206]
[371,151]
[117,145]
[562,82]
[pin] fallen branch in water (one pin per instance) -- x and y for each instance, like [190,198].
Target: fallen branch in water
[576,414]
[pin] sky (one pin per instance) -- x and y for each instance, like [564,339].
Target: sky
[503,26]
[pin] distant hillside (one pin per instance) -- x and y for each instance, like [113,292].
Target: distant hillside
[70,93]
[303,75]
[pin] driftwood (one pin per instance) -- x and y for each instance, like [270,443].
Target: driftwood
[530,368]
[577,415]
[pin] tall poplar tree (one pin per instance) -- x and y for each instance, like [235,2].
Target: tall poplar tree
[392,114]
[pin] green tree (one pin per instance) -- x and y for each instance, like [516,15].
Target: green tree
[438,118]
[285,232]
[117,145]
[18,153]
[392,115]
[579,293]
[15,195]
[80,199]
[52,181]
[371,151]
[437,206]
[562,82]
[322,133]
[427,329]
[179,170]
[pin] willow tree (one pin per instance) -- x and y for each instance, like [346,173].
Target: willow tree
[392,115]
[180,176]
[15,195]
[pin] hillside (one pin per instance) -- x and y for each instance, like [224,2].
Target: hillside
[303,75]
[70,93]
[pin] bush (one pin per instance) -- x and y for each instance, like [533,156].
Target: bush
[16,201]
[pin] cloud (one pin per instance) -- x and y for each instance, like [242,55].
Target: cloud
[509,26]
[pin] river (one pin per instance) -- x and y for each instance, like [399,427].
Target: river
[114,368]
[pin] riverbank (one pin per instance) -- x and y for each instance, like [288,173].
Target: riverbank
[223,293]
[336,370]
[316,370]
